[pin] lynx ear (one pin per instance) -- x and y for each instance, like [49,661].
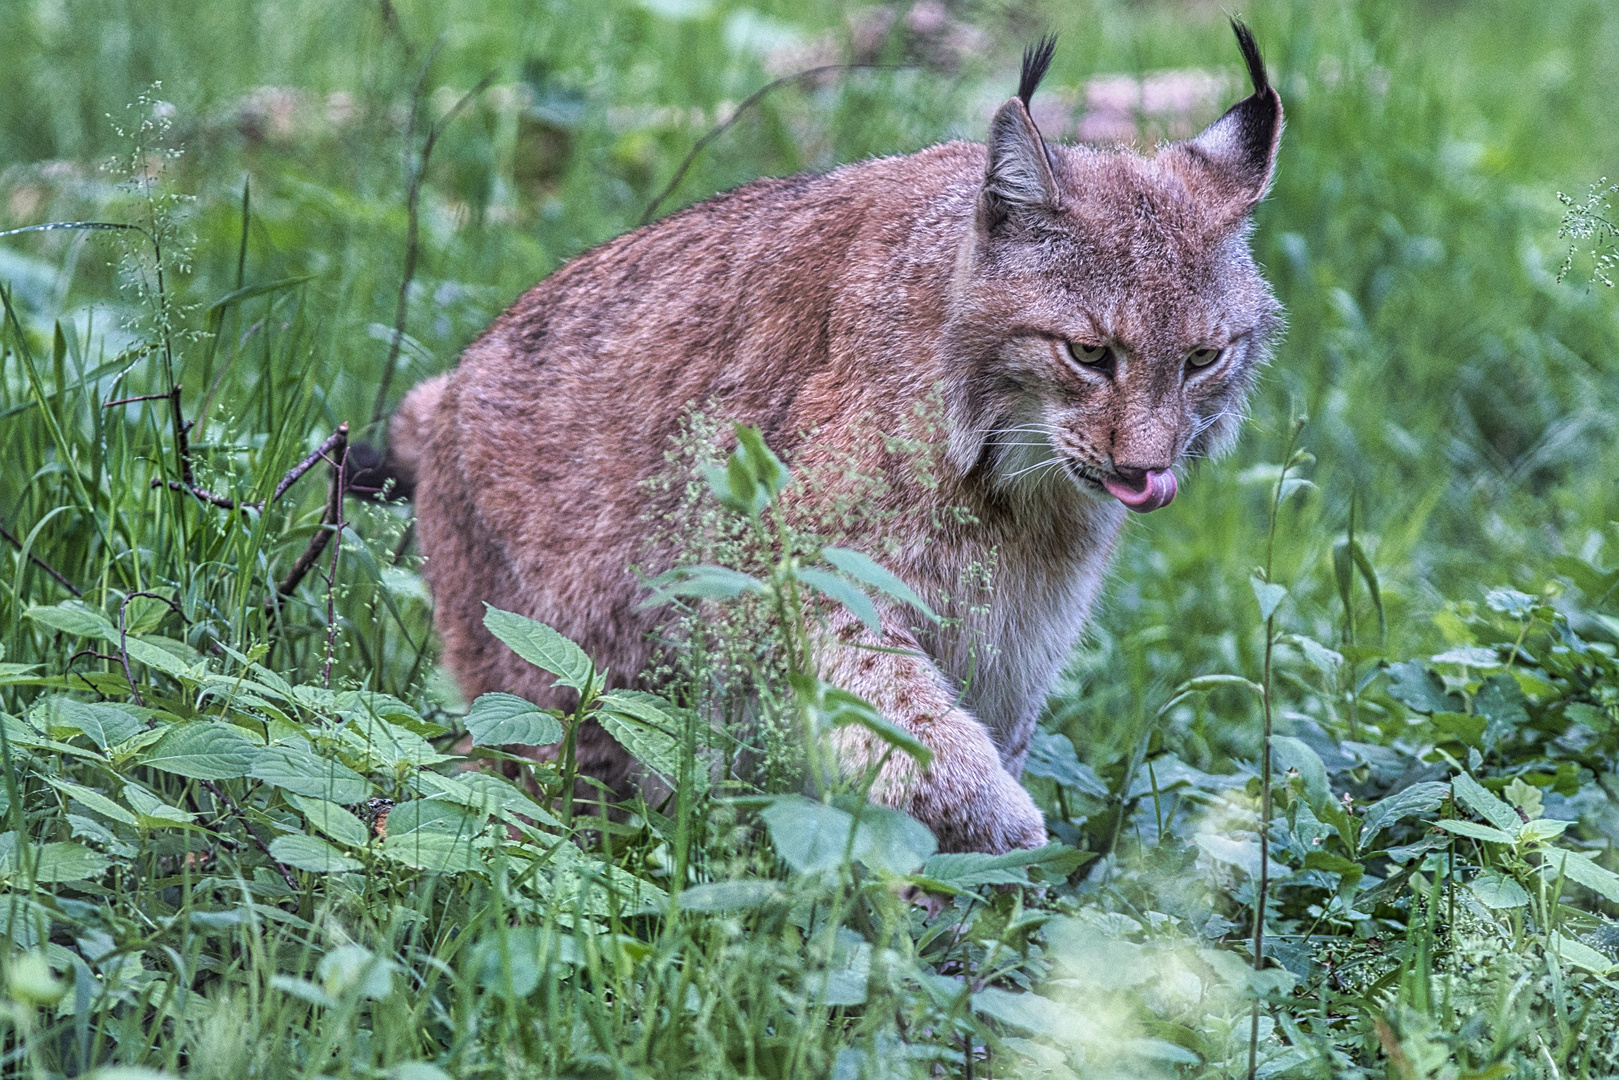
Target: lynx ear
[1237,153]
[1019,175]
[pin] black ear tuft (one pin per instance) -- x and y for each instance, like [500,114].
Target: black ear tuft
[1036,58]
[1250,56]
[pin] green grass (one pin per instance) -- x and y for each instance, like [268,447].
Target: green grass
[1454,399]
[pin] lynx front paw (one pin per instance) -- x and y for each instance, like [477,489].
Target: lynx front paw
[1001,817]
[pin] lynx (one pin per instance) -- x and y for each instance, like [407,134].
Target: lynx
[1088,318]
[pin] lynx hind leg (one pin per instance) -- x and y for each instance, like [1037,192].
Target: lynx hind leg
[964,795]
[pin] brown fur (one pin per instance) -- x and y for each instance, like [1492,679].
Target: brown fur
[827,303]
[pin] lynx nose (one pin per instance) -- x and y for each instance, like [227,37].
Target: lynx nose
[1142,490]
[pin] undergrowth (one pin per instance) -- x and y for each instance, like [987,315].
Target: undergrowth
[1354,698]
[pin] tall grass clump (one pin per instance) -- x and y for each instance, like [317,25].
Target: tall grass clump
[1331,782]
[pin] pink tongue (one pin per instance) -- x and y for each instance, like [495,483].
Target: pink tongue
[1157,489]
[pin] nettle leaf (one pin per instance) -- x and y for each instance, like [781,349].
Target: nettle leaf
[1476,831]
[75,617]
[1503,706]
[541,646]
[1292,753]
[1269,594]
[648,734]
[311,853]
[850,596]
[1497,891]
[153,811]
[730,895]
[294,769]
[1580,955]
[1416,799]
[435,815]
[202,750]
[105,725]
[891,841]
[1052,756]
[1420,689]
[865,569]
[432,851]
[1582,870]
[55,862]
[94,800]
[1243,854]
[332,820]
[1471,794]
[810,836]
[972,869]
[507,720]
[388,744]
[702,582]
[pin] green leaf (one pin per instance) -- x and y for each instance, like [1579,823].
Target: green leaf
[1476,831]
[332,820]
[75,618]
[1543,828]
[1578,954]
[508,720]
[1497,891]
[106,725]
[1580,869]
[765,467]
[1471,794]
[294,769]
[66,862]
[973,869]
[850,596]
[702,582]
[1420,689]
[648,737]
[541,646]
[435,815]
[865,569]
[891,841]
[1296,754]
[840,708]
[1503,706]
[153,811]
[1052,756]
[730,896]
[311,853]
[810,836]
[203,750]
[1269,594]
[1416,799]
[1347,554]
[95,800]
[432,851]
[387,744]
[1464,728]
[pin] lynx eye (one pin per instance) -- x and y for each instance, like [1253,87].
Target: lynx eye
[1202,358]
[1089,355]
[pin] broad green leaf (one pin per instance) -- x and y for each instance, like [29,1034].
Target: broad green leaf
[1202,684]
[1497,891]
[1052,756]
[63,717]
[1292,753]
[1420,689]
[311,853]
[1269,594]
[1503,706]
[972,869]
[203,750]
[863,568]
[810,836]
[434,815]
[355,969]
[488,794]
[847,975]
[649,745]
[541,646]
[1032,1013]
[153,811]
[66,862]
[507,720]
[331,819]
[387,744]
[1471,794]
[763,464]
[1580,869]
[1243,854]
[75,617]
[850,596]
[730,895]
[294,769]
[95,800]
[1580,955]
[1543,828]
[700,582]
[434,852]
[1525,797]
[1416,799]
[891,841]
[1476,831]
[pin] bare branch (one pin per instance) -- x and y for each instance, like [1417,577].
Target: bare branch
[11,539]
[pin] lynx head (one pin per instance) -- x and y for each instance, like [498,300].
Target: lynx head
[1108,316]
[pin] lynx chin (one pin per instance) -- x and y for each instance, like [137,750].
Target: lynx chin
[1090,318]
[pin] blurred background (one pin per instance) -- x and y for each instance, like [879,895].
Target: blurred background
[1460,397]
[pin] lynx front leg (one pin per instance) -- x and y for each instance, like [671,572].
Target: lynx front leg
[965,796]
